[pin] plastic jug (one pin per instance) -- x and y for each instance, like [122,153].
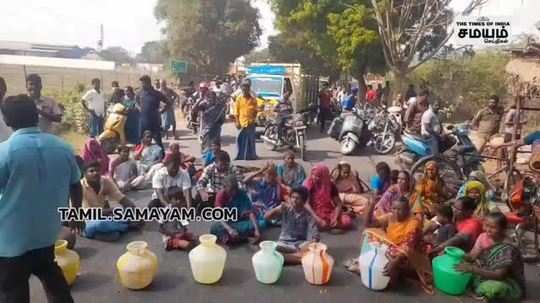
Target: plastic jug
[137,267]
[317,264]
[268,263]
[446,278]
[68,260]
[207,260]
[372,262]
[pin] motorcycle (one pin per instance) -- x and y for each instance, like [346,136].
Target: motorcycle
[386,129]
[114,134]
[351,130]
[457,159]
[294,134]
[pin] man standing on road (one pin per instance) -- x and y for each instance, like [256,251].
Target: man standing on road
[486,123]
[246,114]
[38,174]
[431,128]
[48,110]
[168,118]
[325,106]
[93,102]
[149,101]
[415,110]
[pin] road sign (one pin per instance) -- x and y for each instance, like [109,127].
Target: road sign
[179,66]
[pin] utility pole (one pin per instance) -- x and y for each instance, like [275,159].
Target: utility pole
[101,38]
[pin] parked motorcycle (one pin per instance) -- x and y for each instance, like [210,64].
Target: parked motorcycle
[294,134]
[458,157]
[114,129]
[351,130]
[386,129]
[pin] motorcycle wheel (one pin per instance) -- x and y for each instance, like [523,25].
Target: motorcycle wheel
[449,173]
[384,143]
[271,133]
[347,146]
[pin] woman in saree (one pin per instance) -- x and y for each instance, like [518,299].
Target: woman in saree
[477,191]
[497,267]
[133,117]
[402,231]
[351,189]
[394,192]
[147,154]
[324,200]
[428,192]
[290,173]
[93,151]
[247,225]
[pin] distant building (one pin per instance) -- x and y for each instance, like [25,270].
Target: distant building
[47,50]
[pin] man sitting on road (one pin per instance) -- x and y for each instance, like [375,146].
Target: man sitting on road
[97,190]
[211,181]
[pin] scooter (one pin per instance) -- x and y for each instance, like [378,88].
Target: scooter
[351,131]
[457,159]
[114,128]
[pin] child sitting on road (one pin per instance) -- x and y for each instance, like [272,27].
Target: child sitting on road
[298,227]
[441,228]
[174,233]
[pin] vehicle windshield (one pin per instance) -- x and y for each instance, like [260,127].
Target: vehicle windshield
[267,86]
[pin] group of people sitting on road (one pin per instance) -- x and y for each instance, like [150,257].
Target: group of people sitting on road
[417,218]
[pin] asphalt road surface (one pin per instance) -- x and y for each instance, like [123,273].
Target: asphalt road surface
[98,281]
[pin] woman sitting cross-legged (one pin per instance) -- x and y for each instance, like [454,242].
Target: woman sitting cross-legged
[497,266]
[298,227]
[148,156]
[246,226]
[351,189]
[92,151]
[266,192]
[468,227]
[429,192]
[477,191]
[97,190]
[393,193]
[291,173]
[402,231]
[324,200]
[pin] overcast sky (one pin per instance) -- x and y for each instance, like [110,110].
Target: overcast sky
[130,23]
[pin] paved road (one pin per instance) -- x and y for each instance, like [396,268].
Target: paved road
[98,283]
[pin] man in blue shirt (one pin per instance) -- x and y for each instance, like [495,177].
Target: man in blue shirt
[38,174]
[149,100]
[348,102]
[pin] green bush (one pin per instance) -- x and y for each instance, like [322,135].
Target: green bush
[75,119]
[464,85]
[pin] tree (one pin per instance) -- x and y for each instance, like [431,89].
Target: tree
[153,52]
[332,35]
[413,31]
[209,34]
[358,46]
[117,54]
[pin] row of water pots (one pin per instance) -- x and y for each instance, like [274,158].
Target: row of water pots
[138,266]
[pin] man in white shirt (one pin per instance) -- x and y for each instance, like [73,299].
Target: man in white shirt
[171,185]
[49,111]
[93,102]
[431,129]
